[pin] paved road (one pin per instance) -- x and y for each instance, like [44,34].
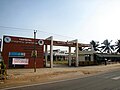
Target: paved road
[106,81]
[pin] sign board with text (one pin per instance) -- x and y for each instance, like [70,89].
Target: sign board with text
[20,61]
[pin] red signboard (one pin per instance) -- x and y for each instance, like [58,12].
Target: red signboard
[20,47]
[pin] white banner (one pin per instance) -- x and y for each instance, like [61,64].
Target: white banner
[20,61]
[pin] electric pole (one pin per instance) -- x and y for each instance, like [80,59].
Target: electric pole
[34,55]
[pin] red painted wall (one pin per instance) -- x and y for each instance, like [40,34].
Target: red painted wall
[25,45]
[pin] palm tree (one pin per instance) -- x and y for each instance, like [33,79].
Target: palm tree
[107,47]
[117,46]
[94,45]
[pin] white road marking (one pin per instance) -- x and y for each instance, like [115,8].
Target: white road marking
[106,76]
[110,76]
[116,78]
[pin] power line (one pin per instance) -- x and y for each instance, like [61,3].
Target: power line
[26,29]
[15,28]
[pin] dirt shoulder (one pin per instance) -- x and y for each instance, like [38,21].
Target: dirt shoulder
[18,77]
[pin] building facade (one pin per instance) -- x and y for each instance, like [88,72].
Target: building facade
[86,58]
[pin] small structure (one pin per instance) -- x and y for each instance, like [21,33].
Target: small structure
[86,57]
[60,54]
[109,57]
[93,58]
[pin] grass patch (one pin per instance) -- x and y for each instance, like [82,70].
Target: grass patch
[60,62]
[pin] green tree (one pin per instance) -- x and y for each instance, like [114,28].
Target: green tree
[107,47]
[94,45]
[117,46]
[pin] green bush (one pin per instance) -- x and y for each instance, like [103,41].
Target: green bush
[2,67]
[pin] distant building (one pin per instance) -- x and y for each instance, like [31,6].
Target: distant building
[86,55]
[92,57]
[59,55]
[108,57]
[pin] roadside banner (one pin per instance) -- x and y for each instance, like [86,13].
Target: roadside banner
[20,61]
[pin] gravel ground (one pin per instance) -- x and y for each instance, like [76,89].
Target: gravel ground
[17,77]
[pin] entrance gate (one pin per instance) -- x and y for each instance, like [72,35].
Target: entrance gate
[73,43]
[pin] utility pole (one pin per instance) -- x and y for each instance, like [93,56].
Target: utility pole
[34,55]
[0,44]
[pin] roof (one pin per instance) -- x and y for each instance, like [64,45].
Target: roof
[63,43]
[108,55]
[87,52]
[48,42]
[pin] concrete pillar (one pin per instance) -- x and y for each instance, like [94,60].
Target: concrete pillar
[77,63]
[92,59]
[69,58]
[55,57]
[46,55]
[51,52]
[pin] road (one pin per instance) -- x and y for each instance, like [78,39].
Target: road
[105,81]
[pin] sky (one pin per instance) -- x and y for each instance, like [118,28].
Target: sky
[84,20]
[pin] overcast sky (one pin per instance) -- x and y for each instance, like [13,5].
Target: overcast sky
[84,20]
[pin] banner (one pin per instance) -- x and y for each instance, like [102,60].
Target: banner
[20,61]
[16,54]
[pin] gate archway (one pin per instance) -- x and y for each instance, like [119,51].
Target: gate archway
[73,43]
